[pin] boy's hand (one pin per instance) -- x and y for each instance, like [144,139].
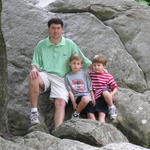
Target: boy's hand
[74,106]
[94,102]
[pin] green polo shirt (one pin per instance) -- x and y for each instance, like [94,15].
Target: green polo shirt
[54,58]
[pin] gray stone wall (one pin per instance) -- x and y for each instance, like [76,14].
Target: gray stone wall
[3,79]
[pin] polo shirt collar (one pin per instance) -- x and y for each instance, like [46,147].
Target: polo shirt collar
[49,43]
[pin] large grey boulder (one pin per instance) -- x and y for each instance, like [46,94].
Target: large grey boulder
[122,146]
[38,140]
[132,28]
[8,145]
[43,141]
[117,29]
[90,132]
[104,10]
[133,115]
[3,80]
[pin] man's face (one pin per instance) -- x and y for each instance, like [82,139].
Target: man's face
[55,31]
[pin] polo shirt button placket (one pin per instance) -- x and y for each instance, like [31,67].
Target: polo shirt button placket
[55,57]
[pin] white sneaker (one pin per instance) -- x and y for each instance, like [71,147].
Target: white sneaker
[34,118]
[75,116]
[113,112]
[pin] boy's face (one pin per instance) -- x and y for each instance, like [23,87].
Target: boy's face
[98,67]
[75,65]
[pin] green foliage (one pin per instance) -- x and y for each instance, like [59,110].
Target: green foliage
[147,2]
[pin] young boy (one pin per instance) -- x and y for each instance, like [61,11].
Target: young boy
[104,88]
[79,86]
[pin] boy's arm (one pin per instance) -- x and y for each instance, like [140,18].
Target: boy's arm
[113,85]
[71,96]
[89,84]
[115,90]
[93,97]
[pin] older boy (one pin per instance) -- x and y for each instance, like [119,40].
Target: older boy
[79,86]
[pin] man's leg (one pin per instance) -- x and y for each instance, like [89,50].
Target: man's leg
[59,115]
[34,91]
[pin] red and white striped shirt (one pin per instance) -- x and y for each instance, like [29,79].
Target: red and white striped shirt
[101,82]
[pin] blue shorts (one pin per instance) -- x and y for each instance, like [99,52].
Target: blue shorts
[101,106]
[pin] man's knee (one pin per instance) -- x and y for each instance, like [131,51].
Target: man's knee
[60,103]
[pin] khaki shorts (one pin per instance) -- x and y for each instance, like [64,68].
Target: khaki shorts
[56,84]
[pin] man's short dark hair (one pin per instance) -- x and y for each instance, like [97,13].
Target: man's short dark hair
[55,21]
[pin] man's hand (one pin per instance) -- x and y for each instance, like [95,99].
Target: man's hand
[34,73]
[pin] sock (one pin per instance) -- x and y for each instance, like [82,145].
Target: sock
[34,109]
[112,106]
[76,113]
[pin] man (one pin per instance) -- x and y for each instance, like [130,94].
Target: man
[49,67]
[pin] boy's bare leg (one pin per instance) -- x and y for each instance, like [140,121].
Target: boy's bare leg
[59,114]
[101,116]
[91,116]
[83,103]
[111,107]
[108,98]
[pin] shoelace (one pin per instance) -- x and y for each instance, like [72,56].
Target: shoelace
[34,116]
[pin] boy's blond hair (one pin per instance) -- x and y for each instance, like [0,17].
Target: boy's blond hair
[99,59]
[76,57]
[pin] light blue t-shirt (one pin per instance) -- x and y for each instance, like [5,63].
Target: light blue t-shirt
[78,83]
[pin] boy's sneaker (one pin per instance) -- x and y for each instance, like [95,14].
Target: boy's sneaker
[75,116]
[112,112]
[34,118]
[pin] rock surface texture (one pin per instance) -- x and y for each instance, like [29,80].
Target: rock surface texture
[115,28]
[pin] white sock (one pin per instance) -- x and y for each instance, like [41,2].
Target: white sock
[76,113]
[34,109]
[112,106]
